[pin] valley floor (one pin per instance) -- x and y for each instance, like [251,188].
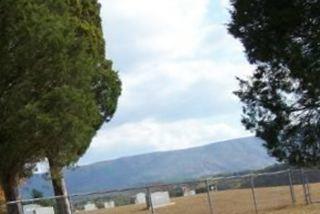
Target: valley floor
[275,200]
[310,209]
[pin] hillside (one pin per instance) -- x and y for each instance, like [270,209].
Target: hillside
[216,158]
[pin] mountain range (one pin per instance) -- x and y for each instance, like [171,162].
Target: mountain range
[161,167]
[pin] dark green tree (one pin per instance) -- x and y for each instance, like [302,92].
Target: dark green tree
[56,87]
[102,90]
[29,35]
[36,193]
[282,97]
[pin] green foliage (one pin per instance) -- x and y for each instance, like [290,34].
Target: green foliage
[176,192]
[84,102]
[36,193]
[282,98]
[121,200]
[35,44]
[56,87]
[43,202]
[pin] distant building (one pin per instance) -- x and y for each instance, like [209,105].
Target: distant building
[140,198]
[37,209]
[90,207]
[109,204]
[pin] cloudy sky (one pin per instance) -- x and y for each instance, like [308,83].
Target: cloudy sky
[178,65]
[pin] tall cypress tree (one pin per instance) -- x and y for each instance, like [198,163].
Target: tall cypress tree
[103,89]
[56,89]
[31,38]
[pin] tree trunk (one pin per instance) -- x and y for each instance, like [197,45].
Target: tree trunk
[2,201]
[12,194]
[59,188]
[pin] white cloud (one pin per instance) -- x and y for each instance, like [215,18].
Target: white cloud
[178,69]
[156,83]
[161,136]
[167,28]
[166,135]
[225,3]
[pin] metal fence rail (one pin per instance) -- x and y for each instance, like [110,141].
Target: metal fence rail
[241,194]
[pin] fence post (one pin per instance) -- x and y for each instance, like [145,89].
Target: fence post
[71,204]
[149,201]
[308,188]
[209,197]
[304,186]
[253,194]
[293,197]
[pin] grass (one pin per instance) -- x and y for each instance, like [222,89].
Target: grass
[275,200]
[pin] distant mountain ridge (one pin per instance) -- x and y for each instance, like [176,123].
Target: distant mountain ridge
[162,167]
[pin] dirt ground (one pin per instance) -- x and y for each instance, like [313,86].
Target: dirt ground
[275,200]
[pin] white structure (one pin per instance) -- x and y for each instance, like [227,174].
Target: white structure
[160,199]
[90,207]
[140,198]
[37,209]
[44,210]
[28,209]
[214,188]
[109,204]
[189,193]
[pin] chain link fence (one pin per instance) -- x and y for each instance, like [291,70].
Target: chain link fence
[245,194]
[312,186]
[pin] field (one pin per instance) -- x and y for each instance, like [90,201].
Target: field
[275,200]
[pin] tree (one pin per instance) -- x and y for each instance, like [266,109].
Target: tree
[56,88]
[24,25]
[282,97]
[36,193]
[90,107]
[2,201]
[1,196]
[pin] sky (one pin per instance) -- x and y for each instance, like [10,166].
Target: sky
[177,64]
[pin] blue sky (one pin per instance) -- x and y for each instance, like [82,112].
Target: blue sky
[178,65]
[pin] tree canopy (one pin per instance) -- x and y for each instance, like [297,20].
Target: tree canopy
[282,97]
[91,100]
[56,86]
[28,34]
